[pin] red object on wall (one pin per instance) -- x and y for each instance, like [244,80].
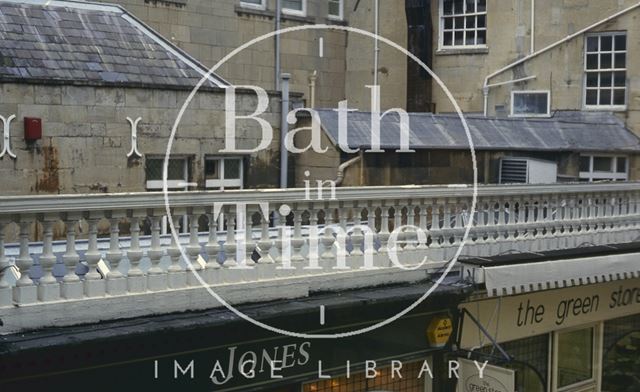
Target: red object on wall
[32,129]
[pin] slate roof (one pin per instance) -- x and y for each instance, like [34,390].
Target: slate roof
[68,41]
[565,131]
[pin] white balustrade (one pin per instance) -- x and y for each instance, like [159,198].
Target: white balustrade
[293,248]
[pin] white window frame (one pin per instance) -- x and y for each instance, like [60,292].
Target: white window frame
[605,176]
[290,11]
[262,6]
[222,182]
[341,15]
[547,114]
[441,28]
[596,357]
[176,185]
[613,34]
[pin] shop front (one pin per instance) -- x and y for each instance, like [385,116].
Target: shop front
[584,338]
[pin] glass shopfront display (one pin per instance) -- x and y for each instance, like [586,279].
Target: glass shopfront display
[575,357]
[621,355]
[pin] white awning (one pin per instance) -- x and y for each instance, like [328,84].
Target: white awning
[546,275]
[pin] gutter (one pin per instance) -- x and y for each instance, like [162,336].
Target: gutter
[343,167]
[486,86]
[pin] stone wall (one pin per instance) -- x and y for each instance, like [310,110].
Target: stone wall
[209,30]
[86,137]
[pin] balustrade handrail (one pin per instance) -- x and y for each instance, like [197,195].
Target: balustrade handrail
[148,200]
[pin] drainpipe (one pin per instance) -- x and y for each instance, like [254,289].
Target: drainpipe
[312,89]
[277,46]
[376,48]
[533,26]
[284,129]
[552,46]
[343,167]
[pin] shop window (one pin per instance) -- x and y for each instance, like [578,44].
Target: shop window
[530,104]
[383,381]
[257,4]
[603,168]
[621,357]
[574,357]
[294,7]
[336,9]
[605,67]
[223,173]
[177,173]
[463,24]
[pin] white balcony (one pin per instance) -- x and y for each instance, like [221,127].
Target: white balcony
[311,246]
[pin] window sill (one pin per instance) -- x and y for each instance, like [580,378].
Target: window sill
[605,108]
[337,22]
[461,51]
[253,11]
[298,18]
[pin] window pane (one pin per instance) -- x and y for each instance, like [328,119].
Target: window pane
[530,103]
[459,23]
[619,97]
[605,97]
[482,5]
[605,61]
[256,2]
[459,40]
[621,42]
[154,169]
[602,164]
[482,37]
[482,21]
[606,43]
[212,169]
[620,79]
[334,7]
[592,97]
[592,44]
[621,60]
[622,165]
[575,357]
[470,22]
[606,78]
[592,61]
[471,38]
[292,4]
[458,6]
[447,7]
[232,169]
[592,79]
[585,164]
[448,39]
[471,6]
[448,23]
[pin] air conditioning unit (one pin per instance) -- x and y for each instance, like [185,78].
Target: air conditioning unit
[527,171]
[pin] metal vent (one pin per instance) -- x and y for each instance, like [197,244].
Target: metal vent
[513,171]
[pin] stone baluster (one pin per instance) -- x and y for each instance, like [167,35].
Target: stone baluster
[297,241]
[370,235]
[194,249]
[422,224]
[457,211]
[357,235]
[435,230]
[94,284]
[341,237]
[156,276]
[248,271]
[25,291]
[212,268]
[136,281]
[313,254]
[265,266]
[72,287]
[116,282]
[384,234]
[5,290]
[177,276]
[49,288]
[396,240]
[229,266]
[410,232]
[327,260]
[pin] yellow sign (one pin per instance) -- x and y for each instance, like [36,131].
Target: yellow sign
[439,331]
